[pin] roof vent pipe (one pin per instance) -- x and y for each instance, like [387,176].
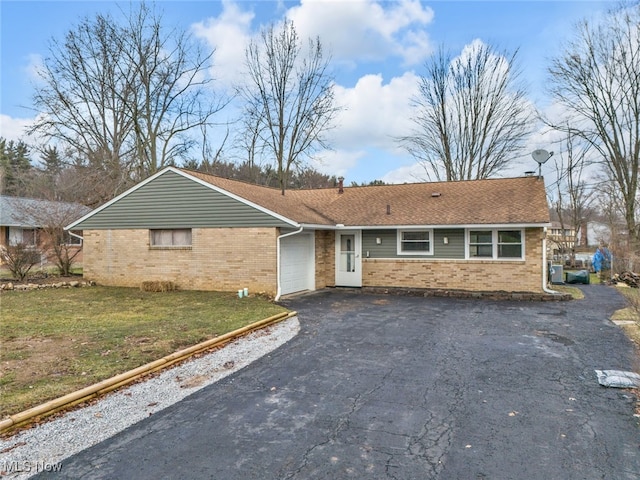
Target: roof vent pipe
[388,209]
[340,184]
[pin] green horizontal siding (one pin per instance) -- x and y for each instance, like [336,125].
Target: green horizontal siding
[388,247]
[173,201]
[455,247]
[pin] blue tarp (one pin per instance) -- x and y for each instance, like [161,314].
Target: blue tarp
[601,259]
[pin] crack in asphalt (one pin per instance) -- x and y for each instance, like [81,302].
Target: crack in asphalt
[407,388]
[343,422]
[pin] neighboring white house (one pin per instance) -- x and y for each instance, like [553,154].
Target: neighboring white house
[597,233]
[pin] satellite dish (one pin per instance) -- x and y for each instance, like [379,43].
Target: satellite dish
[541,156]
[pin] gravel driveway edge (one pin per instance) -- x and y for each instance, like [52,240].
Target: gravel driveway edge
[45,446]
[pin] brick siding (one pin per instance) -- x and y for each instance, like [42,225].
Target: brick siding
[48,257]
[223,259]
[325,259]
[227,259]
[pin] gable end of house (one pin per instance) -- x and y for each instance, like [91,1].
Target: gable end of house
[172,199]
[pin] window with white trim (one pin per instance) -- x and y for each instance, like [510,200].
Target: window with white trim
[481,244]
[72,240]
[509,243]
[177,237]
[496,244]
[415,242]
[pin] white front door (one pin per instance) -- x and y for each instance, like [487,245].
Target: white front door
[348,258]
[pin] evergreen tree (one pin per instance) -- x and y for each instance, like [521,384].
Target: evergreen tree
[15,167]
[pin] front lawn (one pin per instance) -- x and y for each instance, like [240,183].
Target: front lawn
[57,341]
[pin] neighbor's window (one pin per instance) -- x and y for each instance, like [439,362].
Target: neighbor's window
[178,237]
[495,244]
[481,243]
[72,240]
[509,244]
[414,242]
[29,237]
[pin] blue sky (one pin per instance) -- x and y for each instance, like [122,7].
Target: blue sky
[378,50]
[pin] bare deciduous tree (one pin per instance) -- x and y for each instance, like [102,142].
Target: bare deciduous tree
[614,231]
[125,96]
[289,98]
[83,95]
[51,218]
[573,195]
[597,81]
[471,114]
[173,92]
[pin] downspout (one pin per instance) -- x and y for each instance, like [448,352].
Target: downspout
[278,288]
[544,265]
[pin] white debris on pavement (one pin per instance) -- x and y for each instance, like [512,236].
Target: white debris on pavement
[618,379]
[44,447]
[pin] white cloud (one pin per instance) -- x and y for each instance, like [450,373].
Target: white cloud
[366,29]
[352,31]
[418,47]
[337,162]
[229,35]
[407,174]
[34,65]
[375,113]
[14,128]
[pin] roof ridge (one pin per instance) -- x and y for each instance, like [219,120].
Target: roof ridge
[243,182]
[353,187]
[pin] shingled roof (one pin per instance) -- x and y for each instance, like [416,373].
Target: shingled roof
[503,201]
[32,213]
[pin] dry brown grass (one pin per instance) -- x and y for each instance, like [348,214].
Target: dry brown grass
[629,317]
[158,287]
[57,341]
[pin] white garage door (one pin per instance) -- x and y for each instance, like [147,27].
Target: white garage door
[297,266]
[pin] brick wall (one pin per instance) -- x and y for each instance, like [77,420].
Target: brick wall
[224,259]
[325,259]
[233,258]
[480,275]
[48,257]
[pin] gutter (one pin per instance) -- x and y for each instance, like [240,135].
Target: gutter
[279,287]
[544,265]
[76,235]
[318,226]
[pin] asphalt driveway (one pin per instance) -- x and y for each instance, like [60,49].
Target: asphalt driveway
[407,388]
